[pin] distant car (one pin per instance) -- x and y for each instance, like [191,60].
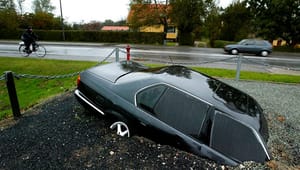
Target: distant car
[178,106]
[252,46]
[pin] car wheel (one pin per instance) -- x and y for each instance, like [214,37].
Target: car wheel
[234,51]
[121,128]
[264,53]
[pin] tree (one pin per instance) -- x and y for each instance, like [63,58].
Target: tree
[40,20]
[8,17]
[149,13]
[92,26]
[188,15]
[7,5]
[42,6]
[276,18]
[20,6]
[213,25]
[236,22]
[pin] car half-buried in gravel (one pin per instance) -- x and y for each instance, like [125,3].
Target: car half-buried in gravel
[178,106]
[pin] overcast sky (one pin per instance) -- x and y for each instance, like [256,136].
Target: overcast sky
[97,10]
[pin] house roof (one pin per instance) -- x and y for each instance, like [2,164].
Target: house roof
[115,28]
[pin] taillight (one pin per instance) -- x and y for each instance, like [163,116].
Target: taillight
[78,80]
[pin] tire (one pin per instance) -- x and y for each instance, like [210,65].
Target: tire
[264,53]
[40,51]
[22,51]
[234,51]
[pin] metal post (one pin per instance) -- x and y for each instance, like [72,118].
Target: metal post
[238,67]
[62,22]
[10,84]
[117,55]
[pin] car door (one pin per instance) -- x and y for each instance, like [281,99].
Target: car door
[248,46]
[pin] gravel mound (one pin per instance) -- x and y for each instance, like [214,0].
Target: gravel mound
[60,134]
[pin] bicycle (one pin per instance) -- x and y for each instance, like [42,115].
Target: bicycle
[40,50]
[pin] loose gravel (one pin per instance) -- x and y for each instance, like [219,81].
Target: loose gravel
[60,134]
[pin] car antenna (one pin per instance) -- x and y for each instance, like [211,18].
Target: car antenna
[171,60]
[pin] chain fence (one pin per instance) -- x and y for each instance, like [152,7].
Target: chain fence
[234,59]
[168,61]
[49,77]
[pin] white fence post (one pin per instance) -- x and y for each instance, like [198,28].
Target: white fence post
[117,55]
[238,67]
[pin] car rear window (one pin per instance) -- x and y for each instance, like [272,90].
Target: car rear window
[235,99]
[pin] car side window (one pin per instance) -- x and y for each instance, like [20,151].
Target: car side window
[250,42]
[147,98]
[228,136]
[181,111]
[260,43]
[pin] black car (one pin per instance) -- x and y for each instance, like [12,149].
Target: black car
[252,46]
[178,106]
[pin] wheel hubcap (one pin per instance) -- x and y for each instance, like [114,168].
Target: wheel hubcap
[121,129]
[264,53]
[234,51]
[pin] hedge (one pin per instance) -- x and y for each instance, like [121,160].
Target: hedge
[90,36]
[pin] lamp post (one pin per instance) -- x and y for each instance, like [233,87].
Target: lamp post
[62,21]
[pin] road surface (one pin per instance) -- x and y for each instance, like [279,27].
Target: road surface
[288,63]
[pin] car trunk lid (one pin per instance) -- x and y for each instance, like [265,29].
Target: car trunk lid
[112,72]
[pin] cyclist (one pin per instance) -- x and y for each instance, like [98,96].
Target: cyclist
[29,38]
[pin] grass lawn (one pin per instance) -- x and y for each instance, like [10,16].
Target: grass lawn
[32,91]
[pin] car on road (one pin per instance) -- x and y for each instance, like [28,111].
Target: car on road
[252,46]
[178,106]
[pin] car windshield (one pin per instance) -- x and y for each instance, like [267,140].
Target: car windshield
[242,42]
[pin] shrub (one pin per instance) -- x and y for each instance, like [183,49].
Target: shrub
[91,36]
[221,43]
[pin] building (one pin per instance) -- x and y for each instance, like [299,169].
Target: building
[115,28]
[150,18]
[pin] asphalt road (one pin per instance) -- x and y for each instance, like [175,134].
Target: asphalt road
[287,63]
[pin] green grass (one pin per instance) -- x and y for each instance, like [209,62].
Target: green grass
[33,91]
[245,75]
[248,75]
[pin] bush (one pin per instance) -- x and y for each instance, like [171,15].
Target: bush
[91,36]
[221,43]
[286,49]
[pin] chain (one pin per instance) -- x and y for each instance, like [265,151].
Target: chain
[2,77]
[30,76]
[256,62]
[185,63]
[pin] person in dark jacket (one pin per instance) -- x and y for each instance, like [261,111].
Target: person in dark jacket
[29,38]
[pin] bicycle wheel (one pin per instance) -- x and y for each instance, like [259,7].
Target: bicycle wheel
[40,51]
[22,51]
